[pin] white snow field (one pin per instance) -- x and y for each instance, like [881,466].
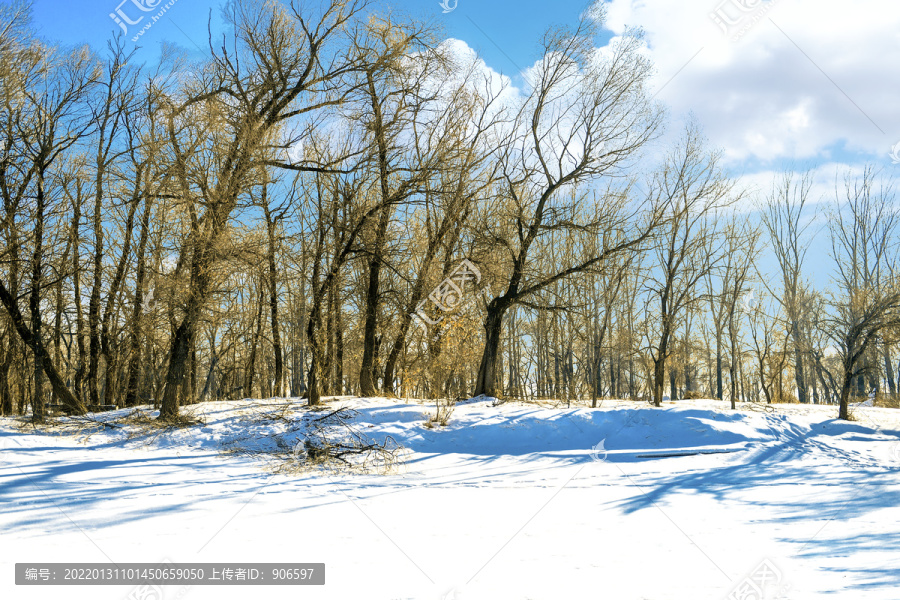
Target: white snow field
[690,501]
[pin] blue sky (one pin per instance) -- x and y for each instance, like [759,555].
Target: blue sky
[812,82]
[505,34]
[775,84]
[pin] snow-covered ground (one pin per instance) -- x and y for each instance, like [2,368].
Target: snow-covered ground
[690,501]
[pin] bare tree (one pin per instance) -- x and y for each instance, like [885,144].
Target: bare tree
[584,118]
[864,234]
[763,327]
[412,132]
[43,118]
[783,218]
[466,174]
[741,252]
[691,185]
[282,64]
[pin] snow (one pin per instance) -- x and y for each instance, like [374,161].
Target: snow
[509,500]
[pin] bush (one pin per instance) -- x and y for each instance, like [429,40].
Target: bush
[784,398]
[887,400]
[442,414]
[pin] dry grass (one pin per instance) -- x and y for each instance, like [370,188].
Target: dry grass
[888,400]
[135,424]
[442,414]
[333,442]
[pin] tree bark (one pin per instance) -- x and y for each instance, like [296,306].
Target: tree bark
[94,302]
[251,362]
[798,364]
[846,386]
[367,365]
[889,370]
[485,383]
[34,303]
[181,345]
[273,299]
[659,364]
[70,403]
[138,311]
[76,282]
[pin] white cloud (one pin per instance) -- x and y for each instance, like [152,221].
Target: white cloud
[467,59]
[822,188]
[760,97]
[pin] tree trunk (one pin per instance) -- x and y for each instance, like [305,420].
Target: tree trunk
[719,382]
[734,382]
[798,366]
[889,371]
[210,377]
[94,302]
[844,411]
[183,340]
[487,370]
[367,375]
[34,303]
[138,311]
[6,403]
[659,366]
[251,362]
[314,376]
[659,379]
[79,311]
[273,302]
[70,403]
[108,346]
[338,384]
[57,321]
[181,346]
[367,365]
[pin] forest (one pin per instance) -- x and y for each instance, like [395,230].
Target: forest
[338,201]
